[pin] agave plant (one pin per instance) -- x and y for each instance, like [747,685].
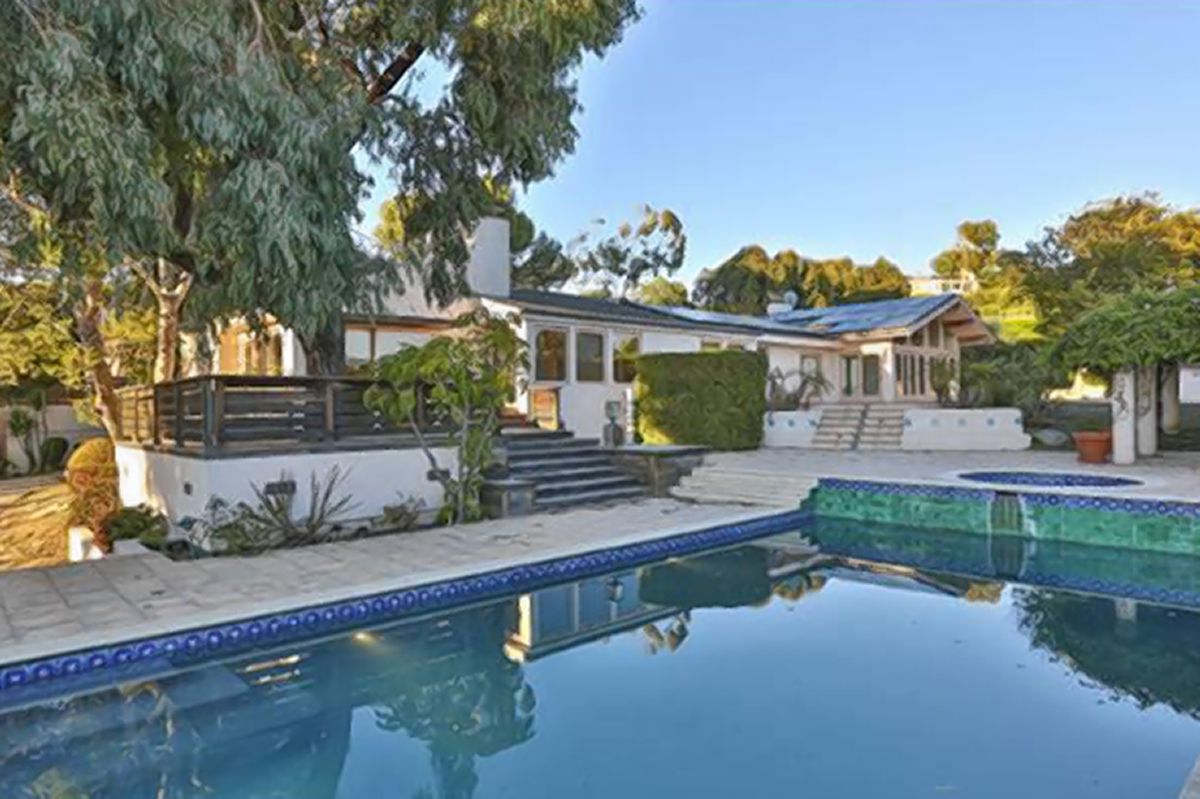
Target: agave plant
[271,521]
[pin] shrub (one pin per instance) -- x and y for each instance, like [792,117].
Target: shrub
[713,399]
[141,523]
[52,453]
[92,477]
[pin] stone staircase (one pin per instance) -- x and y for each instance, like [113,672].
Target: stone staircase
[882,428]
[840,426]
[565,470]
[857,426]
[727,484]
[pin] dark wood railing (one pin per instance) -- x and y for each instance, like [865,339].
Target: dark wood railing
[221,412]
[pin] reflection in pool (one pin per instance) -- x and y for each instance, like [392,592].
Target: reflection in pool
[892,663]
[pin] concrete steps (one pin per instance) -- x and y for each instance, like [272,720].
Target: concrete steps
[565,471]
[863,427]
[717,484]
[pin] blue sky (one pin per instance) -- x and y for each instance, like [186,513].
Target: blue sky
[872,128]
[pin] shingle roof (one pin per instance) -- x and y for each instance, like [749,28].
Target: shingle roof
[622,310]
[865,316]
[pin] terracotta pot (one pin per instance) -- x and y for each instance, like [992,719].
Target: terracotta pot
[1093,447]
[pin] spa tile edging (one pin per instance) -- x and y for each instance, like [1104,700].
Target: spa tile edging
[140,657]
[1148,507]
[908,489]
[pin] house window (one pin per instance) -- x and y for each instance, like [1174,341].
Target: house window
[848,375]
[550,355]
[918,338]
[870,375]
[709,346]
[589,357]
[898,370]
[624,359]
[921,375]
[935,334]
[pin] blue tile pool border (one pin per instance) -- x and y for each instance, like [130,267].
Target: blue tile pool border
[142,657]
[908,489]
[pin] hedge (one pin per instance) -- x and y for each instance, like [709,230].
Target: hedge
[713,399]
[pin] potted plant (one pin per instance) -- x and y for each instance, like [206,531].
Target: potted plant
[1093,441]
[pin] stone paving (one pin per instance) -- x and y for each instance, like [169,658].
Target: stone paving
[52,611]
[1172,475]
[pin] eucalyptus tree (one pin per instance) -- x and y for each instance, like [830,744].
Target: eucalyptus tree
[215,149]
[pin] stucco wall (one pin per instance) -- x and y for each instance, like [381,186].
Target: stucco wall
[182,486]
[971,429]
[790,428]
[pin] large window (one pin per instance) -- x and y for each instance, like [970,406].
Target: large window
[624,357]
[935,334]
[710,346]
[848,375]
[589,357]
[870,375]
[921,376]
[550,356]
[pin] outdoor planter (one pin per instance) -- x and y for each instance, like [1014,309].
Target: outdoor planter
[1093,446]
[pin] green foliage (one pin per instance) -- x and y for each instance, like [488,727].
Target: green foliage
[662,291]
[141,523]
[1108,249]
[272,520]
[92,477]
[400,516]
[943,379]
[465,381]
[714,399]
[999,276]
[653,246]
[796,389]
[750,279]
[1016,375]
[51,453]
[1140,328]
[219,152]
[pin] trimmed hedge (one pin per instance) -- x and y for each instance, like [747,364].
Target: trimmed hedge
[713,399]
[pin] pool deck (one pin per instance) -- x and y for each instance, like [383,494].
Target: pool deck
[1171,476]
[52,611]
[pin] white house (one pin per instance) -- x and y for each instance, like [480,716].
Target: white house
[878,352]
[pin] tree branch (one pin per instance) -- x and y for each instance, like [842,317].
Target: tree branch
[401,64]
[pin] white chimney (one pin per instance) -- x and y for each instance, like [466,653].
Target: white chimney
[490,265]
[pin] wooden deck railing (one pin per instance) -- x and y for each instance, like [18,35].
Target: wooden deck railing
[220,412]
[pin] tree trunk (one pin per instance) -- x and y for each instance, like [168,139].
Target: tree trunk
[170,286]
[89,317]
[325,352]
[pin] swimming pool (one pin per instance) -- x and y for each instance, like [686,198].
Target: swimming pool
[893,663]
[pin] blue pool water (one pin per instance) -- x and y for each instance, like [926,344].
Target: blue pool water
[897,663]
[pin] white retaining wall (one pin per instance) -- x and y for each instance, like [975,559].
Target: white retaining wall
[790,428]
[981,429]
[60,421]
[181,486]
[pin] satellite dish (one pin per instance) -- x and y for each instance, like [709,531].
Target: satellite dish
[791,298]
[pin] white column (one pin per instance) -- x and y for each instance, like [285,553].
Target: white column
[1123,415]
[1170,398]
[887,374]
[1147,410]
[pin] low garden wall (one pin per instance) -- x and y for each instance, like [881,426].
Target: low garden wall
[790,428]
[964,429]
[181,486]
